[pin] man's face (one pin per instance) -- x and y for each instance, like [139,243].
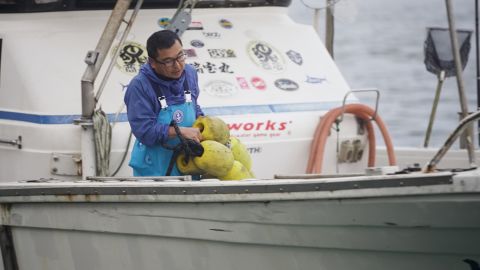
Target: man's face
[170,62]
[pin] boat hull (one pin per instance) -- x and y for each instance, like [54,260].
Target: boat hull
[429,223]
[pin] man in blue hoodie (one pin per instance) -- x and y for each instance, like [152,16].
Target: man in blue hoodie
[165,89]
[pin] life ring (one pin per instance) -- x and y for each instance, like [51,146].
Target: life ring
[323,129]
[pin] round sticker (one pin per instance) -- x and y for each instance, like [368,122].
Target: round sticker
[163,22]
[132,56]
[220,88]
[266,56]
[178,116]
[226,24]
[286,84]
[197,43]
[258,83]
[296,57]
[190,53]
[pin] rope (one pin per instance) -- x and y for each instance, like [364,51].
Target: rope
[115,120]
[102,135]
[189,147]
[124,154]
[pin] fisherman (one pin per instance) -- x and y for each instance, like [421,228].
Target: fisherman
[165,89]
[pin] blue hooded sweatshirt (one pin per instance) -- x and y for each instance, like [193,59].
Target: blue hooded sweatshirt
[143,107]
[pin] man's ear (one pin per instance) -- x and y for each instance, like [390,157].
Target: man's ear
[151,62]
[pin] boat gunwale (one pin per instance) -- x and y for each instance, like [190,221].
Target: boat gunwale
[229,191]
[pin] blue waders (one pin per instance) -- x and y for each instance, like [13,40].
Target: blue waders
[154,160]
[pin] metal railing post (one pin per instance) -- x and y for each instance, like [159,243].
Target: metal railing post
[94,60]
[458,69]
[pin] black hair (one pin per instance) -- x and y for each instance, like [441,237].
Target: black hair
[162,39]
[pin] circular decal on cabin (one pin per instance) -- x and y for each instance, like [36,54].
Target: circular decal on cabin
[226,24]
[220,88]
[132,56]
[258,83]
[197,43]
[266,56]
[178,116]
[190,53]
[163,22]
[286,84]
[296,57]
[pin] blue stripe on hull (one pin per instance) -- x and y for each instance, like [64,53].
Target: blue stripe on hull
[217,111]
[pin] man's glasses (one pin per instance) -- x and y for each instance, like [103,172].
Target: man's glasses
[170,62]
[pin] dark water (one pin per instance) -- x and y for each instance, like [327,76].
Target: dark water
[379,43]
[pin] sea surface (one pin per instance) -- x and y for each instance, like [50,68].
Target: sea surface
[379,44]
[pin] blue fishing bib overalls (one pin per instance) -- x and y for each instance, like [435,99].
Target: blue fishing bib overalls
[154,160]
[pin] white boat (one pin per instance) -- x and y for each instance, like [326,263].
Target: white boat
[348,211]
[376,222]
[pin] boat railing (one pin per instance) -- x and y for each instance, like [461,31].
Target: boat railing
[139,178]
[94,61]
[372,90]
[431,166]
[315,176]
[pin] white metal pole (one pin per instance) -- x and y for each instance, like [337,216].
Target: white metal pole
[458,69]
[94,62]
[316,21]
[330,26]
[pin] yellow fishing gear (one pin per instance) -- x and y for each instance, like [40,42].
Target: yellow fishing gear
[225,157]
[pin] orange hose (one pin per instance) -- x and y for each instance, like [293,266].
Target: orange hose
[320,138]
[323,129]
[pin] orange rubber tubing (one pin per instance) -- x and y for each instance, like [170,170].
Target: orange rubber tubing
[327,121]
[319,134]
[323,130]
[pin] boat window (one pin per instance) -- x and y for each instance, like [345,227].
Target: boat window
[19,6]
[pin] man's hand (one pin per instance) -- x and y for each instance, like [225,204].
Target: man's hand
[187,132]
